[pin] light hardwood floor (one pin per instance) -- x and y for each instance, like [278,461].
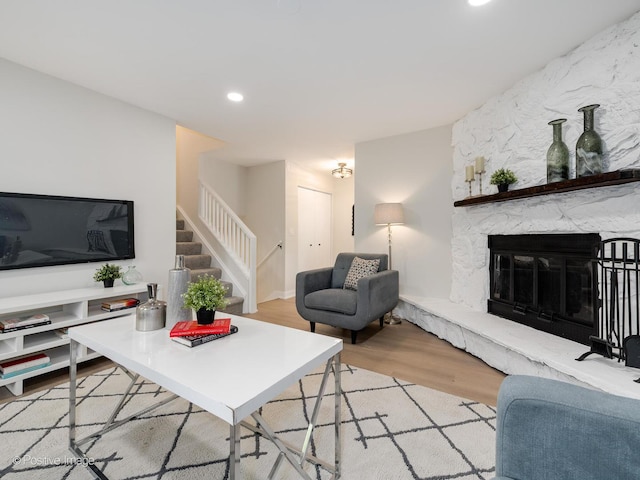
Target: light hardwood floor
[404,351]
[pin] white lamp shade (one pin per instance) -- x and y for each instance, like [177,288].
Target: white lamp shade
[388,214]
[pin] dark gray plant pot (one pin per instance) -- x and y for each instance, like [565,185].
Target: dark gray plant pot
[205,317]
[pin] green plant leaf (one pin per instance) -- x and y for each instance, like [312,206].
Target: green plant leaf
[107,272]
[503,175]
[207,292]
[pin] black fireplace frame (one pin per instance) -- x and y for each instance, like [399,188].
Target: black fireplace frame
[583,247]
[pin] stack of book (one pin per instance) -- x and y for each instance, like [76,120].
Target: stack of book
[17,366]
[191,333]
[19,323]
[120,304]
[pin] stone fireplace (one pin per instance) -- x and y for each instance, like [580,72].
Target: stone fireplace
[546,281]
[510,130]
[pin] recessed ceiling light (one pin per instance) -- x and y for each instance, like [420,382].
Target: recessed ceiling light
[477,3]
[235,96]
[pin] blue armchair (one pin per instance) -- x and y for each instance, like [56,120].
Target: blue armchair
[320,296]
[551,430]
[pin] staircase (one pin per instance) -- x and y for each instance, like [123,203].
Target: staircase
[200,265]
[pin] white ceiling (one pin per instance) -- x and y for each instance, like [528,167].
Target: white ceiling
[318,75]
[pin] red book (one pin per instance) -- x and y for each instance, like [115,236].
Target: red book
[23,362]
[183,329]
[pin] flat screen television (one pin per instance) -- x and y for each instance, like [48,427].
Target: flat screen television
[44,230]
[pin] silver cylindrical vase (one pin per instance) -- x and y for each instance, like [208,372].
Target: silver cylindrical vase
[179,278]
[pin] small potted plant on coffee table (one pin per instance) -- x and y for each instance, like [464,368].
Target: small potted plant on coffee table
[107,274]
[503,177]
[205,296]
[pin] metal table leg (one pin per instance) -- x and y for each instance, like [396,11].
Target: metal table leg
[234,452]
[74,443]
[298,456]
[337,416]
[287,451]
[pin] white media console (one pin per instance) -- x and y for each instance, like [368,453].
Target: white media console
[65,309]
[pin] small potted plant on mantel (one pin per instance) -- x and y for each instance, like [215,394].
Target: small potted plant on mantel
[107,274]
[205,296]
[503,177]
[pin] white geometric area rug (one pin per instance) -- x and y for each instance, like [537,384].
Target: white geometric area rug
[391,430]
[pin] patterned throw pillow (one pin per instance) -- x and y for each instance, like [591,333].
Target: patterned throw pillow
[360,268]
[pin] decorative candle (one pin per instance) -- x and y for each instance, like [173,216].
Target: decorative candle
[479,164]
[469,173]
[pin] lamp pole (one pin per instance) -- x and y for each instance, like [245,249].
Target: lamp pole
[390,318]
[389,236]
[389,214]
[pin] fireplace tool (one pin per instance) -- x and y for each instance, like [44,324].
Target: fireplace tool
[619,317]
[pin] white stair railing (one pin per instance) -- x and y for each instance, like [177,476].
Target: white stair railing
[232,233]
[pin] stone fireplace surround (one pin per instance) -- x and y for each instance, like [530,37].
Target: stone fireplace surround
[510,130]
[505,345]
[510,347]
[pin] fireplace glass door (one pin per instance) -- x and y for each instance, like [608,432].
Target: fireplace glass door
[545,281]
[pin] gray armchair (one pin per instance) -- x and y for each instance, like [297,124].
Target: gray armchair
[320,296]
[553,430]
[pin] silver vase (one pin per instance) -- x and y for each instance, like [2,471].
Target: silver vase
[179,278]
[151,315]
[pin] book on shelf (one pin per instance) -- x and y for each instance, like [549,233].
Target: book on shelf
[22,363]
[4,376]
[195,340]
[18,323]
[192,327]
[62,332]
[120,304]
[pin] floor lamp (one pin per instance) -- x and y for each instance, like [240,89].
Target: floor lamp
[389,214]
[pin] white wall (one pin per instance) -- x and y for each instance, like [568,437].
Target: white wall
[511,130]
[190,145]
[265,194]
[415,170]
[59,139]
[228,180]
[343,200]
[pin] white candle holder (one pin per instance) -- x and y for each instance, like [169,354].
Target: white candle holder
[479,174]
[469,182]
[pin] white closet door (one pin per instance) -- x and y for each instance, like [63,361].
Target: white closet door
[314,229]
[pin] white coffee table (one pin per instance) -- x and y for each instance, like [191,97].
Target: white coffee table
[260,361]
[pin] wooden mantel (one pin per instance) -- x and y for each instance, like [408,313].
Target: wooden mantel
[602,180]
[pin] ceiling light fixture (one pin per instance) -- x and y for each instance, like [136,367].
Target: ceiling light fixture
[477,3]
[235,96]
[342,171]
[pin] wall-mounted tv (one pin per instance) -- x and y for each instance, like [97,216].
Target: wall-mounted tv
[44,230]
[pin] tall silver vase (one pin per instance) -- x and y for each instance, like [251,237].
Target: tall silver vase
[179,278]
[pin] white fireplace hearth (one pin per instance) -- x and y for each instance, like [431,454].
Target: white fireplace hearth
[517,349]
